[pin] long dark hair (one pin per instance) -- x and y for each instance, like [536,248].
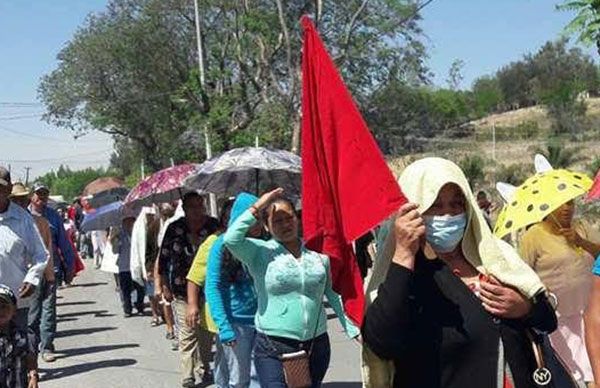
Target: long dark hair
[230,266]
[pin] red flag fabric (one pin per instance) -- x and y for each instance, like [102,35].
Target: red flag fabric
[347,188]
[594,193]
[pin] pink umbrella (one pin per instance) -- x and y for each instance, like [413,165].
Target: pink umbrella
[163,186]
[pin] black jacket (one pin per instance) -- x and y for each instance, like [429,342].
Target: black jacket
[437,333]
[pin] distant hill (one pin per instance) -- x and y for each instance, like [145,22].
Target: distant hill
[511,146]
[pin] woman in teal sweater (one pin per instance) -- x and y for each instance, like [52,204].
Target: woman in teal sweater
[290,282]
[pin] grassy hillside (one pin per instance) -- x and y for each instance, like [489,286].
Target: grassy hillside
[519,134]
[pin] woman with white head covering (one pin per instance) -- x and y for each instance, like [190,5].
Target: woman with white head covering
[454,311]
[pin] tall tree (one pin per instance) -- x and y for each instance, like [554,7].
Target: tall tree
[131,71]
[455,76]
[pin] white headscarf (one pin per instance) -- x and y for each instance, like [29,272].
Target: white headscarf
[421,182]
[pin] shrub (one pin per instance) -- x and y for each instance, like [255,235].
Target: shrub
[515,173]
[473,167]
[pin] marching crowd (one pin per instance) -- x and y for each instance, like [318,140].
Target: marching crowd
[449,304]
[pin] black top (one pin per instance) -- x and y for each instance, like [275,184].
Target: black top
[437,333]
[177,253]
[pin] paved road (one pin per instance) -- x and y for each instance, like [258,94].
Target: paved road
[98,347]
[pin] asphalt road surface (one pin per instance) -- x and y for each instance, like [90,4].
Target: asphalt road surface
[98,348]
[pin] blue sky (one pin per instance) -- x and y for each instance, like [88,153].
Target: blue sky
[485,34]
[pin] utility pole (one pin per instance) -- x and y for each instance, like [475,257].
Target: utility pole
[494,142]
[142,172]
[27,175]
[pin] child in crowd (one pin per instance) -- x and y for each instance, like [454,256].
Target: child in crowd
[17,357]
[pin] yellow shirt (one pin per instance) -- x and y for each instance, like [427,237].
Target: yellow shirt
[564,269]
[197,272]
[197,275]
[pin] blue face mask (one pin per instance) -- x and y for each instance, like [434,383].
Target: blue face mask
[445,232]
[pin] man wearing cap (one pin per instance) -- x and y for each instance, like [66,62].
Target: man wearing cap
[43,309]
[21,196]
[22,253]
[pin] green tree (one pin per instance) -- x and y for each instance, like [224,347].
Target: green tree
[70,183]
[515,173]
[487,96]
[474,168]
[586,24]
[400,117]
[455,76]
[131,71]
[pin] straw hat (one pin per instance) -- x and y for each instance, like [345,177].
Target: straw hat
[19,190]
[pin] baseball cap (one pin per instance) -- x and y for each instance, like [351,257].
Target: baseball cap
[19,190]
[7,295]
[38,186]
[4,177]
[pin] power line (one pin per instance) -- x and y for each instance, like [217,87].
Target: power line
[15,132]
[19,117]
[20,104]
[63,159]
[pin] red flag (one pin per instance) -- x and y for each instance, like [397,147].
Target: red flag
[347,188]
[594,193]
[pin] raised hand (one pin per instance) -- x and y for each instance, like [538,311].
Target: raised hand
[409,231]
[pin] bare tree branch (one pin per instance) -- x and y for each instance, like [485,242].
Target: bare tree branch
[288,47]
[349,31]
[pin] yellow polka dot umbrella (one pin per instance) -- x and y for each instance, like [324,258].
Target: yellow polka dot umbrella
[539,196]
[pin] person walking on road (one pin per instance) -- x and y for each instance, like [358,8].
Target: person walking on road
[42,313]
[182,239]
[23,257]
[290,283]
[122,245]
[232,303]
[167,216]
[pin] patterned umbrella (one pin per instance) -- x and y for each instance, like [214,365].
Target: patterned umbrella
[162,186]
[539,196]
[250,169]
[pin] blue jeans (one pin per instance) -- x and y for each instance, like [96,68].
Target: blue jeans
[42,314]
[270,370]
[234,365]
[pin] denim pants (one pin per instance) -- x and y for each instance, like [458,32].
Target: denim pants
[42,314]
[267,350]
[126,287]
[195,344]
[234,365]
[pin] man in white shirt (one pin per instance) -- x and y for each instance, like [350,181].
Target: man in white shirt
[22,252]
